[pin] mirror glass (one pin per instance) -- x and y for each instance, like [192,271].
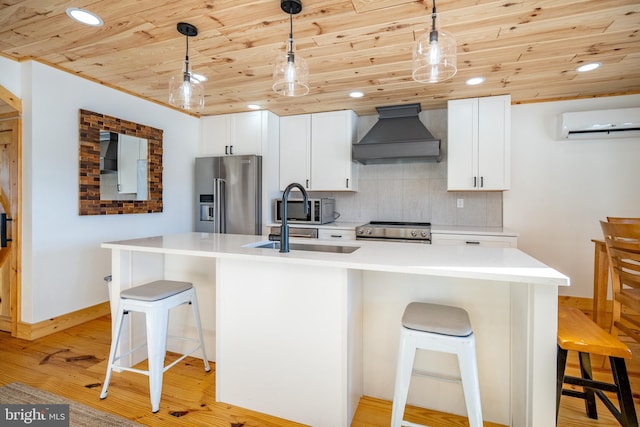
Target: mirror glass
[123,167]
[120,166]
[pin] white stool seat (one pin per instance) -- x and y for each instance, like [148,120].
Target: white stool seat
[436,318]
[155,299]
[438,328]
[154,291]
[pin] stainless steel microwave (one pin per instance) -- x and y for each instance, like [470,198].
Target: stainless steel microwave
[321,211]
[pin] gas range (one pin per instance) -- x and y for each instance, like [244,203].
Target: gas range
[417,232]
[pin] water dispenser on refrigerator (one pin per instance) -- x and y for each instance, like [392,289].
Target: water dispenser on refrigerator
[207,209]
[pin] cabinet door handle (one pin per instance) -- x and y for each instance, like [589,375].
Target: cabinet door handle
[481,181]
[347,182]
[475,182]
[472,242]
[226,149]
[231,149]
[307,183]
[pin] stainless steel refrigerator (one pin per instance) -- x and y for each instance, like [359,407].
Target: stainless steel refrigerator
[229,194]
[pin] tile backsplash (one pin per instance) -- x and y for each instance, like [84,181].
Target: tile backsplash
[415,191]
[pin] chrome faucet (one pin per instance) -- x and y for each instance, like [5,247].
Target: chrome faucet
[284,228]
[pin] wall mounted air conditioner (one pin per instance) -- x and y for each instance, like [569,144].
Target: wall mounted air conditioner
[601,124]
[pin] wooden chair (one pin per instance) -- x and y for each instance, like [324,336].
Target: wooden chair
[576,332]
[622,238]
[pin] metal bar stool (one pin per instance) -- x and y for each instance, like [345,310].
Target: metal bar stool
[437,328]
[155,299]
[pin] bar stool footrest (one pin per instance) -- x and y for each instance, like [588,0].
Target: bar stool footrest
[406,423]
[591,384]
[435,376]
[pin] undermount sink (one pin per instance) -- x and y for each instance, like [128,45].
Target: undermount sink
[307,247]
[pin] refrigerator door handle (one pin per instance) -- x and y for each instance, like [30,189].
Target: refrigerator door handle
[220,198]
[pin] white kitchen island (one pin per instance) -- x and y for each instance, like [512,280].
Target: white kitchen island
[303,335]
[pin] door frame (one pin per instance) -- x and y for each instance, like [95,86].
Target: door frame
[15,283]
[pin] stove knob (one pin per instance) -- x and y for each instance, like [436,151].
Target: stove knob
[368,231]
[423,233]
[360,231]
[414,233]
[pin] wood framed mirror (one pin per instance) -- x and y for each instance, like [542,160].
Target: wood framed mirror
[120,166]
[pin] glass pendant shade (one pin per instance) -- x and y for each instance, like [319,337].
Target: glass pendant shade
[434,57]
[290,74]
[186,92]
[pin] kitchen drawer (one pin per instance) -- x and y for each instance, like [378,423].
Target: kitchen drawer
[474,240]
[336,234]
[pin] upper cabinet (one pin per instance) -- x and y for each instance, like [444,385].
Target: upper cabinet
[315,151]
[295,150]
[479,140]
[239,133]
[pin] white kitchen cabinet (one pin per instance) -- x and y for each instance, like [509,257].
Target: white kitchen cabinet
[315,151]
[474,240]
[295,150]
[228,134]
[479,141]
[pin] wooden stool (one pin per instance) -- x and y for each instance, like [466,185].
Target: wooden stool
[155,299]
[437,328]
[577,332]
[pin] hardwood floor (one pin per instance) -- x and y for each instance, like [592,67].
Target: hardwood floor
[72,363]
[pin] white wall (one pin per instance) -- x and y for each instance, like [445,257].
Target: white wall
[561,189]
[62,263]
[10,76]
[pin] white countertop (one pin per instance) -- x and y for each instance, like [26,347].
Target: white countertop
[502,264]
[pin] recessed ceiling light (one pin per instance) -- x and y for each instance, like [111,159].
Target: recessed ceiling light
[588,67]
[84,17]
[475,81]
[253,107]
[356,94]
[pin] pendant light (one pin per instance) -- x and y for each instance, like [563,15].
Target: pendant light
[185,91]
[290,71]
[434,55]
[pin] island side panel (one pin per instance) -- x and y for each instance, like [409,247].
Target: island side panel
[355,374]
[385,296]
[201,271]
[282,340]
[534,347]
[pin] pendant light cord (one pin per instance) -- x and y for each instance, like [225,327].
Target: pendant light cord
[433,35]
[187,75]
[291,22]
[290,52]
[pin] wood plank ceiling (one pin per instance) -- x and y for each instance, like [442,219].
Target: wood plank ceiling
[528,48]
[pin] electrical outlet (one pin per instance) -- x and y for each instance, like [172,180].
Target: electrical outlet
[460,203]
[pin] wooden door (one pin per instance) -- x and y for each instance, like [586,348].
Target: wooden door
[10,158]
